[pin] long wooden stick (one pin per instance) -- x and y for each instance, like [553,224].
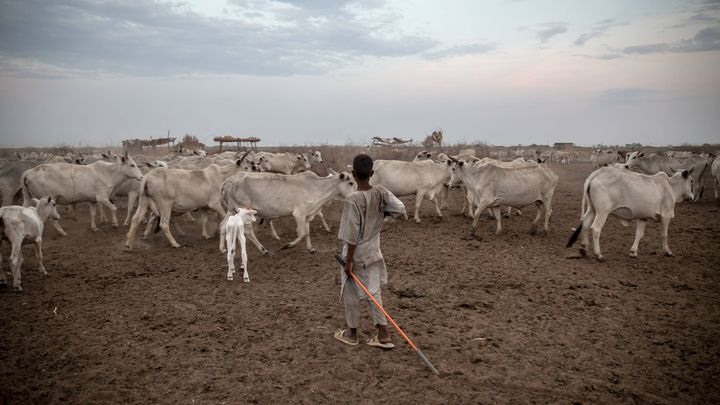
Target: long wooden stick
[397,327]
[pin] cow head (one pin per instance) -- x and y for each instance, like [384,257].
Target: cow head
[129,168]
[347,183]
[47,208]
[315,156]
[247,215]
[457,167]
[682,185]
[303,161]
[633,159]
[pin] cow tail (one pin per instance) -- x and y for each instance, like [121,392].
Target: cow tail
[578,230]
[156,229]
[575,235]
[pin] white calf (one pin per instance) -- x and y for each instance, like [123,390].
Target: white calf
[232,231]
[18,224]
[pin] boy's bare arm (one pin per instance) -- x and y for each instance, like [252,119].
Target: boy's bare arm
[349,258]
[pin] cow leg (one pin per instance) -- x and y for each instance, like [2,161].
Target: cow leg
[497,213]
[132,197]
[539,207]
[222,232]
[93,213]
[16,260]
[39,256]
[149,226]
[250,233]
[596,227]
[58,228]
[165,213]
[437,206]
[112,207]
[476,217]
[322,219]
[664,225]
[273,233]
[547,204]
[302,227]
[509,211]
[230,257]
[204,221]
[639,232]
[418,202]
[243,256]
[103,216]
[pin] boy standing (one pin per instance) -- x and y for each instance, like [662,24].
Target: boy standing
[362,218]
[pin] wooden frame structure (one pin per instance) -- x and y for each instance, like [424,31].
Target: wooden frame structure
[378,141]
[251,141]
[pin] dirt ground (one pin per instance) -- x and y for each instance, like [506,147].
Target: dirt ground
[506,319]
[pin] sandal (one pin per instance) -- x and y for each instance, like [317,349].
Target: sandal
[375,342]
[340,335]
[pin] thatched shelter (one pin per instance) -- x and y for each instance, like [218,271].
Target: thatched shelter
[251,141]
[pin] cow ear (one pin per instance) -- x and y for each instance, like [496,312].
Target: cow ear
[685,174]
[49,198]
[332,171]
[641,154]
[342,176]
[462,163]
[149,165]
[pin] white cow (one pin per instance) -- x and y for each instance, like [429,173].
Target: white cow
[70,184]
[600,158]
[286,163]
[10,176]
[275,195]
[234,232]
[629,195]
[165,191]
[654,163]
[423,178]
[19,224]
[493,186]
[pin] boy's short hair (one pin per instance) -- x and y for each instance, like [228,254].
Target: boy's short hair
[362,166]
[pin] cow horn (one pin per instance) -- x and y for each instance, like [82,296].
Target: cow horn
[243,157]
[453,159]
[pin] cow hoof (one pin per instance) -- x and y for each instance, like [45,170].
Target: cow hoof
[175,245]
[17,289]
[206,237]
[311,250]
[246,280]
[223,250]
[633,253]
[265,252]
[668,254]
[286,246]
[601,259]
[506,216]
[94,229]
[125,223]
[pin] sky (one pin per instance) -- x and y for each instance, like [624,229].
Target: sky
[315,72]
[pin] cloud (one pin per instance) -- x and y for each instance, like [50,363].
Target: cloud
[460,51]
[707,39]
[598,30]
[168,38]
[550,30]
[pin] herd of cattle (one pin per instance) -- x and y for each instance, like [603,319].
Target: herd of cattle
[636,186]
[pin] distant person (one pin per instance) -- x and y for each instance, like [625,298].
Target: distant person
[362,218]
